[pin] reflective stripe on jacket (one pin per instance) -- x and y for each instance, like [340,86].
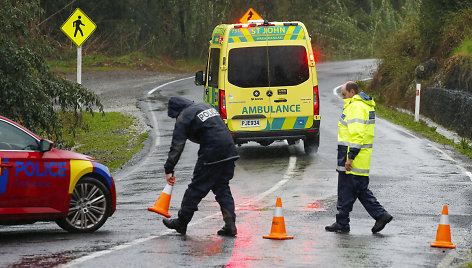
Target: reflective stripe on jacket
[356,134]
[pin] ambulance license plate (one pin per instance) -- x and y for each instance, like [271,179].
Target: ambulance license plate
[251,123]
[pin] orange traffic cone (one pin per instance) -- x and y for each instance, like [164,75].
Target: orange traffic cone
[443,237]
[162,204]
[278,224]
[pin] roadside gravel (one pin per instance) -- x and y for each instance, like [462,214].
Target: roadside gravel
[120,90]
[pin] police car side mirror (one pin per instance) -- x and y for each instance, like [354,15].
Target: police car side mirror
[199,78]
[45,145]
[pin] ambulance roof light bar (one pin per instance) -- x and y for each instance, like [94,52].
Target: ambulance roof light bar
[254,23]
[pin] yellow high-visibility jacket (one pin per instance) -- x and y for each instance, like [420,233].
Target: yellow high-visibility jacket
[356,134]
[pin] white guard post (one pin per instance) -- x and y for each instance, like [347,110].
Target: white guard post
[79,65]
[417,104]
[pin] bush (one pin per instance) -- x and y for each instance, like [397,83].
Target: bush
[30,93]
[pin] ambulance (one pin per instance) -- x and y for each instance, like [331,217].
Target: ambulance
[261,77]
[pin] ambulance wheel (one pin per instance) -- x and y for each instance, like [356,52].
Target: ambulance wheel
[265,143]
[311,145]
[90,205]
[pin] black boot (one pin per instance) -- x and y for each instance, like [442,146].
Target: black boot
[176,225]
[380,223]
[336,227]
[230,224]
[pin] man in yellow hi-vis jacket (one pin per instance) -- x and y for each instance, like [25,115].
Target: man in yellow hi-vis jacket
[355,137]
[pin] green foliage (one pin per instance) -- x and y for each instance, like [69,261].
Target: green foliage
[465,48]
[133,61]
[399,57]
[30,93]
[111,138]
[443,25]
[433,17]
[181,29]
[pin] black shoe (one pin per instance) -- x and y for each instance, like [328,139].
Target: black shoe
[380,223]
[176,225]
[336,227]
[228,230]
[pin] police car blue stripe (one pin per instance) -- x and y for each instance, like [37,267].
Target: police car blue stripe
[4,178]
[102,170]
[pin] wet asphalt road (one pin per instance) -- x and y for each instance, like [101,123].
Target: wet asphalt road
[411,176]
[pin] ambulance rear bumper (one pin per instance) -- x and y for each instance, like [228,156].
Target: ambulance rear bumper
[241,137]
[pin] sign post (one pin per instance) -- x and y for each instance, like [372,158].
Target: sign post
[78,27]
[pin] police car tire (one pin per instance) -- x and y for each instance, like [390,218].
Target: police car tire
[87,184]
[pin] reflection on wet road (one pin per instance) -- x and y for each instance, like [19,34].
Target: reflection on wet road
[409,176]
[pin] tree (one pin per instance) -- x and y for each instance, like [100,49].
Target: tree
[29,92]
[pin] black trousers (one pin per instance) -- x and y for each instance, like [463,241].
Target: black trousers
[214,177]
[350,188]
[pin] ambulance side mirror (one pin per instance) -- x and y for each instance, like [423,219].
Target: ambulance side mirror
[199,78]
[45,145]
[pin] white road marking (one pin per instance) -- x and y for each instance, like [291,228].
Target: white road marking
[163,85]
[287,176]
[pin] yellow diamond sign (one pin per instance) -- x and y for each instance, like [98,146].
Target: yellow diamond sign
[78,27]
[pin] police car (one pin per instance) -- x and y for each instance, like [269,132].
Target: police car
[41,183]
[261,77]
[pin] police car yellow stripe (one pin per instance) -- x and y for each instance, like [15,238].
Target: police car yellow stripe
[78,168]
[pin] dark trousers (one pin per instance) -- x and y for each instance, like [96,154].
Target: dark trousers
[214,177]
[350,188]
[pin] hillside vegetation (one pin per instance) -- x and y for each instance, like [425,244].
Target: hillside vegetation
[181,29]
[435,49]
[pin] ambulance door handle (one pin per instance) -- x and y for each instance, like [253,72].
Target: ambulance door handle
[280,100]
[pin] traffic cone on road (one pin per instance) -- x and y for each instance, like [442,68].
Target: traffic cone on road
[278,224]
[443,237]
[162,204]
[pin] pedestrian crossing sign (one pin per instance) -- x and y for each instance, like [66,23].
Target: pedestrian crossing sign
[78,27]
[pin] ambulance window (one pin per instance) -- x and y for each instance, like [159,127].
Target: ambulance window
[214,67]
[12,138]
[288,65]
[247,67]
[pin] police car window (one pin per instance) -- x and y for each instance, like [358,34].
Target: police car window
[247,67]
[288,65]
[214,67]
[12,138]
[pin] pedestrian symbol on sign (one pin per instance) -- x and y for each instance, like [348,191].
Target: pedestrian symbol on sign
[78,27]
[77,24]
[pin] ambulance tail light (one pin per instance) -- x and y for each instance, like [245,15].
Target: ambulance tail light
[222,104]
[316,101]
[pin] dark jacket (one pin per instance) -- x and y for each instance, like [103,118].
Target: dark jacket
[202,124]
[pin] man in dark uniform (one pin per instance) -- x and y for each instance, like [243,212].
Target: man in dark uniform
[202,124]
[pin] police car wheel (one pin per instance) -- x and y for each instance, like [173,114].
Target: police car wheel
[89,207]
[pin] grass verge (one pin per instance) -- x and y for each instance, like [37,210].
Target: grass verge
[408,121]
[112,138]
[133,61]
